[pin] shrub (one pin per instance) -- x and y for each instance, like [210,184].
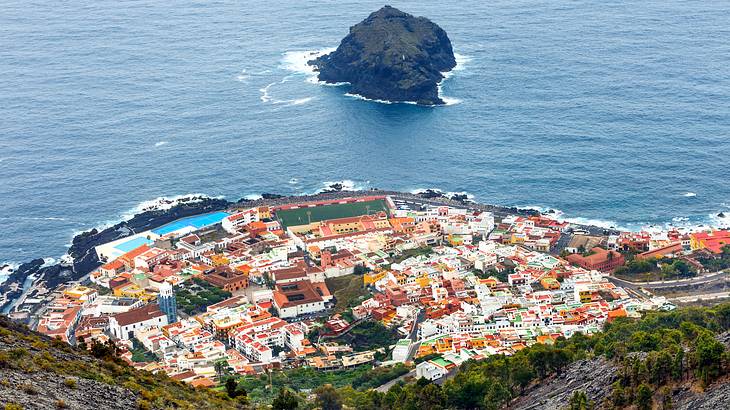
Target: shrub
[60,404]
[70,383]
[29,388]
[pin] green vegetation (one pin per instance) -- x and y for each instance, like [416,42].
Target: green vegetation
[348,290]
[196,294]
[579,401]
[651,353]
[409,253]
[369,335]
[717,263]
[140,354]
[102,365]
[655,269]
[304,216]
[501,276]
[307,378]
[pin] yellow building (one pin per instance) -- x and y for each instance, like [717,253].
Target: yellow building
[550,283]
[219,260]
[130,290]
[81,293]
[372,277]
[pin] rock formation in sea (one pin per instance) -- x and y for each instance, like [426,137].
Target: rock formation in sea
[391,56]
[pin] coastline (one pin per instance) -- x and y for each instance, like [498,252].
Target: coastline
[83,260]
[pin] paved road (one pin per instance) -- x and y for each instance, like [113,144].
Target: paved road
[383,388]
[706,296]
[415,344]
[668,284]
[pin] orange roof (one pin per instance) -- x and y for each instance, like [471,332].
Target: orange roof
[202,382]
[113,265]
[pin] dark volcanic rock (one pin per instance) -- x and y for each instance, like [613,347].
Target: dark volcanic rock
[391,56]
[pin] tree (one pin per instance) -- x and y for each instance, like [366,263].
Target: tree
[220,367]
[233,389]
[431,397]
[643,397]
[708,354]
[360,269]
[497,395]
[579,401]
[285,400]
[618,395]
[328,398]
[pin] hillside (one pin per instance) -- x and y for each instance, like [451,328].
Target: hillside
[40,373]
[679,358]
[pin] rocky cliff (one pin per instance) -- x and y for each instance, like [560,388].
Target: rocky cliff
[595,377]
[391,56]
[37,372]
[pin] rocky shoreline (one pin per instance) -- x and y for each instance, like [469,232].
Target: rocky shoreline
[84,260]
[391,56]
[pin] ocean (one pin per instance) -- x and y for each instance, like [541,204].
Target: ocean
[613,112]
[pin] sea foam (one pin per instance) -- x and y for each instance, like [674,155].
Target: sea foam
[297,62]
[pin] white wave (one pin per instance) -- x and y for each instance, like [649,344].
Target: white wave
[347,185]
[48,262]
[461,62]
[243,76]
[296,61]
[160,143]
[265,93]
[164,203]
[690,194]
[66,259]
[720,220]
[301,101]
[468,195]
[601,223]
[34,218]
[360,97]
[559,215]
[267,98]
[6,269]
[253,197]
[448,194]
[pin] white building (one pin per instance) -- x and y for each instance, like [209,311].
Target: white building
[123,325]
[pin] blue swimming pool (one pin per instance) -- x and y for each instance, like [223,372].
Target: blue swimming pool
[133,244]
[196,222]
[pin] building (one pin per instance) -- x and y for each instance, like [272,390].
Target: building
[300,298]
[600,260]
[713,241]
[226,278]
[434,369]
[123,325]
[167,302]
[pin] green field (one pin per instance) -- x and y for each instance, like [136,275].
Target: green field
[294,217]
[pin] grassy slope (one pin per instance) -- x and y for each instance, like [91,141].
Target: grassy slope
[35,355]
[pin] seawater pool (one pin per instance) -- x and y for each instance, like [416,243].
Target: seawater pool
[196,222]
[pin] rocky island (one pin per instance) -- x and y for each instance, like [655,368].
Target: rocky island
[391,56]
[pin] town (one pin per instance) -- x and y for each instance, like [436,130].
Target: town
[367,282]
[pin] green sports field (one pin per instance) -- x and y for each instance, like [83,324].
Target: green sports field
[294,217]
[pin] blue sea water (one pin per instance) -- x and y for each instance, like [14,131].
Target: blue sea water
[615,111]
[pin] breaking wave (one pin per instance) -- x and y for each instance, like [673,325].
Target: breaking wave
[296,61]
